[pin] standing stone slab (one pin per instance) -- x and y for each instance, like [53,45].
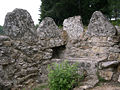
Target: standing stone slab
[73,26]
[100,26]
[19,25]
[49,34]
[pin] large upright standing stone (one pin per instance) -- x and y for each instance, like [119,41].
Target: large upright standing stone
[19,25]
[100,26]
[49,34]
[73,26]
[103,37]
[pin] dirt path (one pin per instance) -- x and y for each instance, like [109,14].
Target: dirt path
[106,87]
[102,86]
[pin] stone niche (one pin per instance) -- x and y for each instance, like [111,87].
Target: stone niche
[58,52]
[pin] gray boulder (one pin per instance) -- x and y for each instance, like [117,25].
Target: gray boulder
[109,64]
[100,26]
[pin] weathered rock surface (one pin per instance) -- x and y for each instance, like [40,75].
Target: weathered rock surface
[106,74]
[20,54]
[106,87]
[4,38]
[109,64]
[20,62]
[73,26]
[119,79]
[100,26]
[50,35]
[19,25]
[118,29]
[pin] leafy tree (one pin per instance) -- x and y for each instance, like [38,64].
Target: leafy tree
[115,7]
[58,9]
[91,6]
[61,9]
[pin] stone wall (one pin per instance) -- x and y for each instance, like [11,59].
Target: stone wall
[99,40]
[26,52]
[98,45]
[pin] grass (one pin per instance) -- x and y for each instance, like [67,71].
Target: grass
[41,87]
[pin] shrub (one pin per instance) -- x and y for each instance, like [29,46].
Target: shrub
[63,76]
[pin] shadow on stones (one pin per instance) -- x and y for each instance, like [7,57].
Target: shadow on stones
[58,52]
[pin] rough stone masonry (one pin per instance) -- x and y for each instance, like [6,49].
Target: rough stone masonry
[26,52]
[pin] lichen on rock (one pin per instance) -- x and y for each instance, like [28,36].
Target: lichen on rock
[19,25]
[49,34]
[100,26]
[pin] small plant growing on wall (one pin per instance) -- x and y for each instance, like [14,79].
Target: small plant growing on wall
[63,76]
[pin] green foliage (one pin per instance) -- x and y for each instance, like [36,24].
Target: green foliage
[61,9]
[1,30]
[36,26]
[63,76]
[87,7]
[60,27]
[115,22]
[115,8]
